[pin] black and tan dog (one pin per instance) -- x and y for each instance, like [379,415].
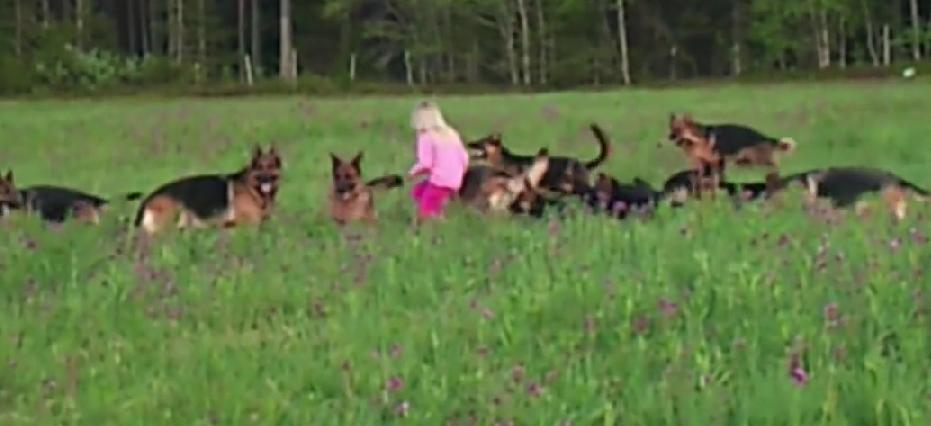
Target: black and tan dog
[53,203]
[619,199]
[352,200]
[564,174]
[735,144]
[491,190]
[846,186]
[241,198]
[678,188]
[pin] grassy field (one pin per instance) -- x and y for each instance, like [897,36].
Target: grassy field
[698,316]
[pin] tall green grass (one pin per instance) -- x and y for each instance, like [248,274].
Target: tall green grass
[691,317]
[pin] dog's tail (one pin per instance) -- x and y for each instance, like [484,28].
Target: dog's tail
[140,214]
[603,143]
[132,196]
[786,144]
[386,182]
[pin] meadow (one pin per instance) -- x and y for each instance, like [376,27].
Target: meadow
[762,315]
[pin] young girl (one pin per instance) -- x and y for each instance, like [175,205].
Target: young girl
[441,156]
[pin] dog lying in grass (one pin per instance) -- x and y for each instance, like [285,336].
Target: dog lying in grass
[350,199]
[244,197]
[564,174]
[491,190]
[846,186]
[53,203]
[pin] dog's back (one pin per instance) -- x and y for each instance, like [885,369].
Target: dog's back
[845,185]
[732,138]
[57,204]
[203,195]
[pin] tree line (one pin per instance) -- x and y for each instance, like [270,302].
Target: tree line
[533,43]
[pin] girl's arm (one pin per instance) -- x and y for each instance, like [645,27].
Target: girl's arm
[424,156]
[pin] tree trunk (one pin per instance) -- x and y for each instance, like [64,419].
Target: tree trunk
[736,39]
[622,40]
[524,41]
[131,27]
[143,27]
[673,58]
[79,21]
[46,14]
[256,38]
[241,16]
[18,42]
[842,44]
[179,37]
[408,67]
[202,37]
[171,7]
[916,30]
[506,28]
[870,35]
[887,46]
[284,65]
[541,43]
[822,36]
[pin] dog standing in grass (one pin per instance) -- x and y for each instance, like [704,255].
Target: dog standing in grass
[228,200]
[736,144]
[441,156]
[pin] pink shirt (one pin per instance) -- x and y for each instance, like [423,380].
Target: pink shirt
[445,161]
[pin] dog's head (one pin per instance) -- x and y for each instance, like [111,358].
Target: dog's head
[488,148]
[347,176]
[10,197]
[263,174]
[683,130]
[529,200]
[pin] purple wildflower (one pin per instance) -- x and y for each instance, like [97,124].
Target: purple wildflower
[534,389]
[668,308]
[797,372]
[394,384]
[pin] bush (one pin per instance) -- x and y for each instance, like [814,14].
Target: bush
[91,70]
[15,77]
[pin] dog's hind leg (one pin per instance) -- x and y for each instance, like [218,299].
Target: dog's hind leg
[157,213]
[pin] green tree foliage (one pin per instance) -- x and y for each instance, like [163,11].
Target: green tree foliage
[503,42]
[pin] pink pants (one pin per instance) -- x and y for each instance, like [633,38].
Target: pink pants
[430,199]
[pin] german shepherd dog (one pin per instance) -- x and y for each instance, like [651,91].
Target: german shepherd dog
[678,188]
[844,187]
[352,200]
[244,197]
[619,199]
[736,144]
[564,174]
[707,164]
[53,203]
[491,190]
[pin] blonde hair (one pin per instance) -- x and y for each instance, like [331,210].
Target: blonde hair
[427,117]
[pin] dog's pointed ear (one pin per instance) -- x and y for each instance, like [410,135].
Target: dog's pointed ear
[9,176]
[672,118]
[543,152]
[357,160]
[256,151]
[335,160]
[495,139]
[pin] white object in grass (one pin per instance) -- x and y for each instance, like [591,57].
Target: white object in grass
[909,72]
